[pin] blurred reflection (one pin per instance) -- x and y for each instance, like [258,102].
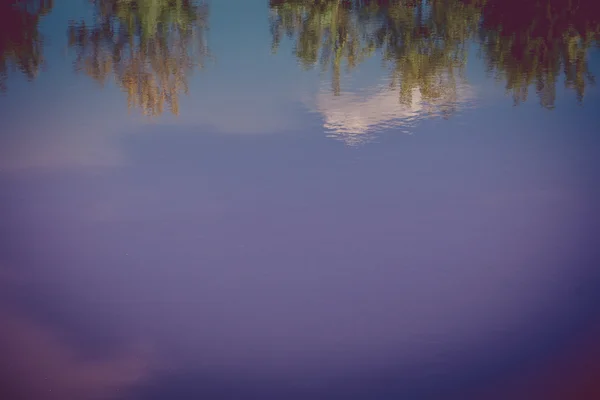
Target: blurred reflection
[328,32]
[150,47]
[426,41]
[425,44]
[354,118]
[21,44]
[534,45]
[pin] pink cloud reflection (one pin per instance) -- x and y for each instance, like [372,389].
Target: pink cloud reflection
[38,363]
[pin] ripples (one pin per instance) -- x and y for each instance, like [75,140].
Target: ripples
[357,117]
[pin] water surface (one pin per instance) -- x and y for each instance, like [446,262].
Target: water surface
[299,199]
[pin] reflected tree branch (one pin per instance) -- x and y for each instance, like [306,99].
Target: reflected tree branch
[149,47]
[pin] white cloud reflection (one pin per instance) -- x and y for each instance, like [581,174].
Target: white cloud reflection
[355,117]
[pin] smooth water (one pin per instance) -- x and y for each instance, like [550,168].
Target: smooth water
[302,199]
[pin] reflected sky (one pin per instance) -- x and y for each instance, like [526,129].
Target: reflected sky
[298,199]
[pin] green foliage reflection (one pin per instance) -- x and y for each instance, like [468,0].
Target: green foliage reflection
[149,47]
[524,43]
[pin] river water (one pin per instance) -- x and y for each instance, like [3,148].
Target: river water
[301,199]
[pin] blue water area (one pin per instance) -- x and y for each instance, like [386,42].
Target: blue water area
[299,199]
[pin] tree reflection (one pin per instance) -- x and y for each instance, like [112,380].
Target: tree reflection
[426,42]
[328,32]
[149,47]
[21,44]
[528,42]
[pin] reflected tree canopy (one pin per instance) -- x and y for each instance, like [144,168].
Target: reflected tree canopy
[149,47]
[426,44]
[328,32]
[540,42]
[523,42]
[21,44]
